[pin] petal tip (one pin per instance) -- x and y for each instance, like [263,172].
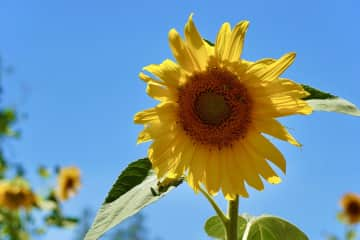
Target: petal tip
[274,180]
[173,34]
[292,55]
[190,17]
[244,23]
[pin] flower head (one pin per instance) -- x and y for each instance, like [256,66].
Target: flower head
[214,109]
[15,195]
[350,203]
[68,182]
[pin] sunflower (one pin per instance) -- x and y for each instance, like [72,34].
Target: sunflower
[214,109]
[15,195]
[350,203]
[68,182]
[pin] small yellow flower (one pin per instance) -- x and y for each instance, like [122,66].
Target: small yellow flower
[350,203]
[15,195]
[214,109]
[68,182]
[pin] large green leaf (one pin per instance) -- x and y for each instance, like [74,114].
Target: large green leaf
[272,228]
[257,228]
[323,101]
[136,187]
[215,228]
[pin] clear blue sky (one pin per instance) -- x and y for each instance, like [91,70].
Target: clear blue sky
[76,79]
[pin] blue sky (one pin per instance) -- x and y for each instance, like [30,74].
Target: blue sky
[76,79]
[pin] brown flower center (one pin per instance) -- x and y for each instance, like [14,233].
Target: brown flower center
[353,208]
[69,184]
[16,198]
[214,107]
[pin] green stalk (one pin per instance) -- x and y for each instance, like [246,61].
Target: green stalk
[233,211]
[217,209]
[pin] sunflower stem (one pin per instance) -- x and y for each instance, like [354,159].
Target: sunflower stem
[217,209]
[233,211]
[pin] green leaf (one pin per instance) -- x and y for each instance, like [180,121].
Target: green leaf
[350,234]
[136,187]
[43,172]
[60,221]
[268,227]
[323,101]
[316,94]
[264,227]
[133,175]
[209,42]
[215,228]
[7,118]
[45,204]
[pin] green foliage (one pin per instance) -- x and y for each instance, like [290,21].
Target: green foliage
[209,42]
[272,228]
[316,94]
[136,187]
[17,212]
[43,172]
[257,228]
[7,118]
[215,228]
[12,226]
[339,105]
[133,175]
[323,101]
[351,234]
[61,221]
[3,165]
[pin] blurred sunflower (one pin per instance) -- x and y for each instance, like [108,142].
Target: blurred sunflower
[350,203]
[16,194]
[214,107]
[69,182]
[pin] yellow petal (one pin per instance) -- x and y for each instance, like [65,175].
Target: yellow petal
[198,162]
[246,166]
[196,44]
[168,71]
[181,52]
[274,128]
[163,111]
[278,88]
[195,170]
[265,148]
[237,41]
[271,71]
[279,107]
[147,79]
[155,130]
[275,69]
[167,158]
[212,174]
[187,156]
[236,178]
[222,41]
[158,91]
[226,181]
[186,152]
[260,163]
